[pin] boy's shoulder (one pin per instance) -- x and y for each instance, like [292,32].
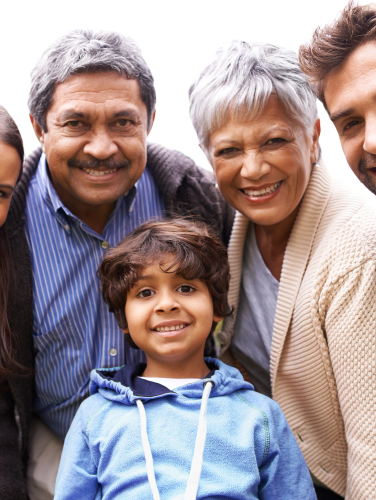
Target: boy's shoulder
[91,407]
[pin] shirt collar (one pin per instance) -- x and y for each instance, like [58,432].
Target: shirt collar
[52,199]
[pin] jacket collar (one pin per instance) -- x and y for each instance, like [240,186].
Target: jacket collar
[295,261]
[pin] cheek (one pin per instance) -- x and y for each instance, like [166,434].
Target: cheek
[4,207]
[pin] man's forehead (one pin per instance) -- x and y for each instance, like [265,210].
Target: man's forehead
[355,78]
[97,88]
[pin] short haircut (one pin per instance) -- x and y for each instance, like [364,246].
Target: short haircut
[239,82]
[86,51]
[196,253]
[332,44]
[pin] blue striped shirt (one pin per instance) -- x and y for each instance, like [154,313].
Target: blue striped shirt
[73,330]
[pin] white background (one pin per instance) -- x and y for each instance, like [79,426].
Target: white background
[177,38]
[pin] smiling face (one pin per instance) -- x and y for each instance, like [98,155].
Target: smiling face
[10,165]
[350,96]
[170,318]
[95,142]
[262,166]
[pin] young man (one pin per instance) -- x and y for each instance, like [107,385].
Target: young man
[341,64]
[181,422]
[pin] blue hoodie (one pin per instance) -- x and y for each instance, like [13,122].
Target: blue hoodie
[136,439]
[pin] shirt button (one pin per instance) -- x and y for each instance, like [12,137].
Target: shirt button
[66,227]
[106,245]
[113,351]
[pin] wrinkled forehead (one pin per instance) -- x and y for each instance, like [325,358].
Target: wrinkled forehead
[94,90]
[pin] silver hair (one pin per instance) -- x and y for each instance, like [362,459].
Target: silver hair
[86,51]
[240,81]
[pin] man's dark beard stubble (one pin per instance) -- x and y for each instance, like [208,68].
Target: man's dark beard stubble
[369,161]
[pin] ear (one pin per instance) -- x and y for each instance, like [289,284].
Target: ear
[126,330]
[152,122]
[39,132]
[315,146]
[217,319]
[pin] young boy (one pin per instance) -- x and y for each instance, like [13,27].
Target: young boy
[180,426]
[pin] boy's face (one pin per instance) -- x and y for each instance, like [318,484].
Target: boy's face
[169,317]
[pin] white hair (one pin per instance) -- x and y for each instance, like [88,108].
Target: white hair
[240,81]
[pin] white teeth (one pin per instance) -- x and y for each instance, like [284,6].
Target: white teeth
[98,172]
[171,328]
[261,192]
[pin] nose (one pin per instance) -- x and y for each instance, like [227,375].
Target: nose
[167,303]
[101,145]
[370,136]
[254,166]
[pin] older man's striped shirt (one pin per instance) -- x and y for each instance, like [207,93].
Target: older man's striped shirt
[73,330]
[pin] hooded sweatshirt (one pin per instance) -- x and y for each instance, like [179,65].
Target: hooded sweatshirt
[212,439]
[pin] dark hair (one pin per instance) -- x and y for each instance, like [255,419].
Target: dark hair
[9,134]
[196,252]
[332,44]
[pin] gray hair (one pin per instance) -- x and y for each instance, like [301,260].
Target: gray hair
[86,51]
[240,81]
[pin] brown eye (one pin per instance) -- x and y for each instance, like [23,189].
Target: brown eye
[123,123]
[145,293]
[185,289]
[74,123]
[351,124]
[275,140]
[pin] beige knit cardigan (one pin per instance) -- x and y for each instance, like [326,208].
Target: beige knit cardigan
[323,356]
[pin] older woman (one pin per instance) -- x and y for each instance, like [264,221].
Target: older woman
[303,260]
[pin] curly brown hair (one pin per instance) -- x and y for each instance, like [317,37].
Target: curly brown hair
[332,44]
[197,254]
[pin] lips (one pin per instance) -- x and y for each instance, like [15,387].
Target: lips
[99,172]
[263,191]
[99,168]
[170,327]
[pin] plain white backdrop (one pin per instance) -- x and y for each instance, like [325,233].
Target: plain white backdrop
[177,39]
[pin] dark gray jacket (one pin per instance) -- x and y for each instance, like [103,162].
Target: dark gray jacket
[185,189]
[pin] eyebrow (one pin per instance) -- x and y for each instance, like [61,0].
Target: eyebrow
[8,186]
[72,114]
[341,114]
[126,113]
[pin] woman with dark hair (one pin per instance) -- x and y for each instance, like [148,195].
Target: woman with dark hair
[11,159]
[15,355]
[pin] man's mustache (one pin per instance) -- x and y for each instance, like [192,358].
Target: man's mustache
[94,163]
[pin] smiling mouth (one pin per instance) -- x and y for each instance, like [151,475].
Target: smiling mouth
[255,193]
[174,328]
[99,172]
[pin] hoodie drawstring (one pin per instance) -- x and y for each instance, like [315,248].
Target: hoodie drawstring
[147,451]
[195,473]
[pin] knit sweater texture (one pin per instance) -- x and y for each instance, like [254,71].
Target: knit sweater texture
[323,356]
[185,188]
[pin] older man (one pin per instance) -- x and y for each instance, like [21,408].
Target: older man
[341,63]
[92,106]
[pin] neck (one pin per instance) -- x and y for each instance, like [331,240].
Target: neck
[192,368]
[95,216]
[272,242]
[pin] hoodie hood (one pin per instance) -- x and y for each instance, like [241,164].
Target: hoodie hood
[124,385]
